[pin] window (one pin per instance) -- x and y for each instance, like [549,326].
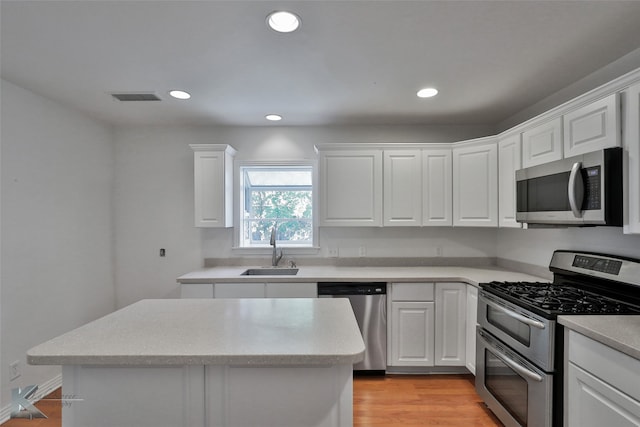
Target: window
[280,197]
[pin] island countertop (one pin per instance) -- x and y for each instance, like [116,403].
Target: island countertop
[244,332]
[471,275]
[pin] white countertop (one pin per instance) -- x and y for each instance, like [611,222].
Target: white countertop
[621,333]
[470,275]
[247,332]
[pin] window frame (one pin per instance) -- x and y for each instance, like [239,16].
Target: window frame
[239,205]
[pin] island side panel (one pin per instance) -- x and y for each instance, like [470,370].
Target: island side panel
[290,396]
[96,396]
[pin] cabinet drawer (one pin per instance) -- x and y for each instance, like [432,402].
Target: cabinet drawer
[412,291]
[239,290]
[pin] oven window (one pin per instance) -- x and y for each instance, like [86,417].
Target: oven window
[515,328]
[507,387]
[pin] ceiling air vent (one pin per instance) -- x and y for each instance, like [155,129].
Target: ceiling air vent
[135,97]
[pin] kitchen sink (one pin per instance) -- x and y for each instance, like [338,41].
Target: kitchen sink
[270,271]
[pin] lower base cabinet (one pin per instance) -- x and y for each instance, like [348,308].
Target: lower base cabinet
[472,322]
[249,290]
[602,385]
[412,329]
[427,326]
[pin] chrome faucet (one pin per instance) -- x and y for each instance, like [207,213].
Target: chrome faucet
[275,258]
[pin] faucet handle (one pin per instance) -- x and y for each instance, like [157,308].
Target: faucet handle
[292,264]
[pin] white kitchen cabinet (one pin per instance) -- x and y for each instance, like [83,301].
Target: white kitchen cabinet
[213,185]
[239,290]
[350,187]
[631,140]
[602,385]
[475,184]
[509,160]
[402,188]
[250,290]
[542,144]
[471,323]
[437,187]
[411,324]
[592,127]
[292,290]
[196,290]
[450,324]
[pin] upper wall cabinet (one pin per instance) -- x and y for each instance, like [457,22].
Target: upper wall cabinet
[542,144]
[509,160]
[213,184]
[437,187]
[350,187]
[592,127]
[402,187]
[631,138]
[475,184]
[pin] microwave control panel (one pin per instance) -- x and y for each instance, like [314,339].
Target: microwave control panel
[592,187]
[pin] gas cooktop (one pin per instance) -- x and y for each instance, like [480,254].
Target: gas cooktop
[557,299]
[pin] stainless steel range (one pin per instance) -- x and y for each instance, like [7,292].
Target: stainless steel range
[519,355]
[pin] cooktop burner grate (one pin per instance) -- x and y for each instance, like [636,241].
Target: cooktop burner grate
[559,299]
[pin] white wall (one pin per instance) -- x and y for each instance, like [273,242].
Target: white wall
[535,246]
[154,200]
[57,263]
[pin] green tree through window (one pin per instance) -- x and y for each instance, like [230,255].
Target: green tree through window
[278,196]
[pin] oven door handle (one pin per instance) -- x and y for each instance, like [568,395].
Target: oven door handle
[517,316]
[519,368]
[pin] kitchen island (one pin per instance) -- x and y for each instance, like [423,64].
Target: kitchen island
[232,362]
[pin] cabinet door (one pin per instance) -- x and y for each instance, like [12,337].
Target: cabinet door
[631,100]
[437,188]
[402,188]
[509,160]
[542,144]
[351,188]
[475,185]
[292,290]
[451,316]
[213,185]
[239,290]
[411,334]
[592,127]
[196,290]
[592,402]
[472,321]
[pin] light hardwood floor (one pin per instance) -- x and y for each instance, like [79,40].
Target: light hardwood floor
[390,401]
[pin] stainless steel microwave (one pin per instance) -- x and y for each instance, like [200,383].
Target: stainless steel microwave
[577,191]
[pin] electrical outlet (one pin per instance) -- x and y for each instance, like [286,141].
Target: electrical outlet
[438,251]
[14,370]
[362,251]
[333,252]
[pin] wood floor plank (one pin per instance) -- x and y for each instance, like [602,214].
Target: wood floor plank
[389,401]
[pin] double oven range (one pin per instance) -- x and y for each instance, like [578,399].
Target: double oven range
[520,346]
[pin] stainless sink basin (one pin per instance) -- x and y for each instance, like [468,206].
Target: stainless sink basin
[270,271]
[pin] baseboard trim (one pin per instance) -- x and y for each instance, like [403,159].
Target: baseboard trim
[43,390]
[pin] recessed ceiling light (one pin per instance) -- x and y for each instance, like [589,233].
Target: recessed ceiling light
[273,117]
[427,92]
[180,94]
[283,21]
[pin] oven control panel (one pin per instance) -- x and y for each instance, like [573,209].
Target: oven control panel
[602,265]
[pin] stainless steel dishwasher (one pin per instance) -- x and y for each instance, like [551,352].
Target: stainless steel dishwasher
[369,303]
